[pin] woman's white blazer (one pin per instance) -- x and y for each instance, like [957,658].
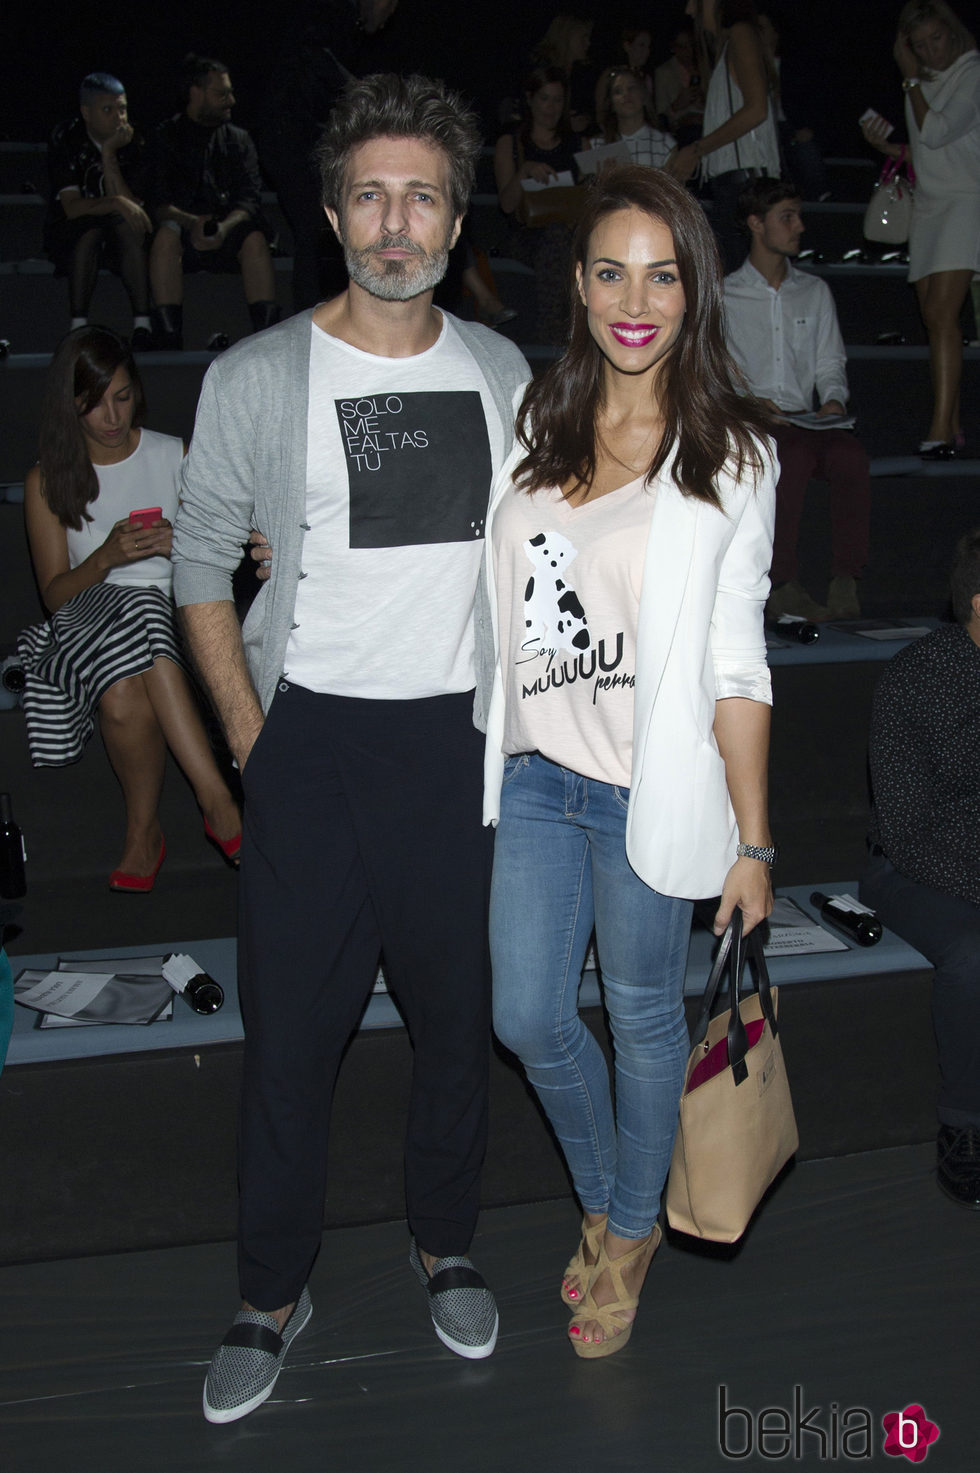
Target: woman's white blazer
[700,639]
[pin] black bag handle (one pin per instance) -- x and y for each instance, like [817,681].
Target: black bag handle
[734,950]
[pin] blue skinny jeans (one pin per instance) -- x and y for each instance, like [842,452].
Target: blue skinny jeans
[560,868]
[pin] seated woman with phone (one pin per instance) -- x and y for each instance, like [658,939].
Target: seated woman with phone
[99,507]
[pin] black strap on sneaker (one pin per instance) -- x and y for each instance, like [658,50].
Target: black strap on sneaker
[456,1277]
[254,1337]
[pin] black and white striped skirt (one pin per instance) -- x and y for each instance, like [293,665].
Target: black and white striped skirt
[97,638]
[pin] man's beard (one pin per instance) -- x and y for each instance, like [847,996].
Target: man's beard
[396,280]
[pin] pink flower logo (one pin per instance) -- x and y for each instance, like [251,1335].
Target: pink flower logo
[909,1433]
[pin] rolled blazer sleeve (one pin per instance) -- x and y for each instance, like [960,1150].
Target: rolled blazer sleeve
[738,643]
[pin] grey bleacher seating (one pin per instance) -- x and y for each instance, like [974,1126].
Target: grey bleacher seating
[892,397]
[23,224]
[23,168]
[852,179]
[34,305]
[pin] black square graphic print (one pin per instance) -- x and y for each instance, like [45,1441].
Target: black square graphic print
[418,467]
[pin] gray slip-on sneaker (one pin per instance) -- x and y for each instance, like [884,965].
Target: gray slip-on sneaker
[462,1307]
[247,1362]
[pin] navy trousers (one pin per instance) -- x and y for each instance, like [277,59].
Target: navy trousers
[362,834]
[946,929]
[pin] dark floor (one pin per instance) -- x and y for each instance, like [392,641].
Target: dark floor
[858,1283]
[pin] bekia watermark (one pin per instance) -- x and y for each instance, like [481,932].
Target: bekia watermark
[829,1433]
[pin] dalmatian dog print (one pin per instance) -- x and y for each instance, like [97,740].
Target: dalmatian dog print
[553,614]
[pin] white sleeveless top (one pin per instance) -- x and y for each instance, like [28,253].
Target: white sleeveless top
[757,149]
[148,477]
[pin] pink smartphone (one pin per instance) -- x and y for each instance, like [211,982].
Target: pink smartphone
[146,517]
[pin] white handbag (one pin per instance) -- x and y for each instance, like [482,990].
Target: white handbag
[888,216]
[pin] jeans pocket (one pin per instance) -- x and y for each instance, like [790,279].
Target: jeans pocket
[622,797]
[514,765]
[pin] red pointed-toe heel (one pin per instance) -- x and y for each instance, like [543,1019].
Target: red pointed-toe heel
[127,884]
[230,848]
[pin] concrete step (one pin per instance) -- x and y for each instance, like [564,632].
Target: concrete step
[874,299]
[22,222]
[23,168]
[34,305]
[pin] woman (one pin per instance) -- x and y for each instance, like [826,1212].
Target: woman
[543,147]
[739,138]
[677,92]
[565,45]
[635,42]
[110,645]
[627,555]
[624,115]
[940,69]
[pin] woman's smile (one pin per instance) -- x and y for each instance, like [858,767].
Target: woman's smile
[633,335]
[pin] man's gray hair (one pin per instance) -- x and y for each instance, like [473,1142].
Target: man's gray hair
[388,106]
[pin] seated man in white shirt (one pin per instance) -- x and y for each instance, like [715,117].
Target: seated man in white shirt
[782,330]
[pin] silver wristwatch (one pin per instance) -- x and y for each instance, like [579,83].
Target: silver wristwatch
[768,855]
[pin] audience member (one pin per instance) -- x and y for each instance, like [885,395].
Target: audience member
[206,191]
[542,147]
[940,68]
[678,91]
[96,215]
[739,140]
[624,115]
[804,161]
[110,648]
[565,44]
[319,52]
[635,42]
[923,876]
[782,331]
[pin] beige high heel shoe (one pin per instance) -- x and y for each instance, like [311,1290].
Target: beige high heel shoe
[615,1334]
[589,1243]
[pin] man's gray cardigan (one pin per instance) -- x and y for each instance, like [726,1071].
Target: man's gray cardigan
[246,468]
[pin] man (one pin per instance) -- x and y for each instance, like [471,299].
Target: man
[96,214]
[363,438]
[206,192]
[783,333]
[923,878]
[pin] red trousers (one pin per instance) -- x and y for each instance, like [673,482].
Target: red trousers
[835,456]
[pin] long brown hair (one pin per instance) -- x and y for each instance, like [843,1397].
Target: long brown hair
[531,85]
[81,370]
[704,416]
[605,115]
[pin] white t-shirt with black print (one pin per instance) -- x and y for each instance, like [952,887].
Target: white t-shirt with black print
[399,468]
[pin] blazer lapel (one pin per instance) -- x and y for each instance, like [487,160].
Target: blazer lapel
[666,571]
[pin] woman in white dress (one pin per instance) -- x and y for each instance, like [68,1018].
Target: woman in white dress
[940,69]
[110,647]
